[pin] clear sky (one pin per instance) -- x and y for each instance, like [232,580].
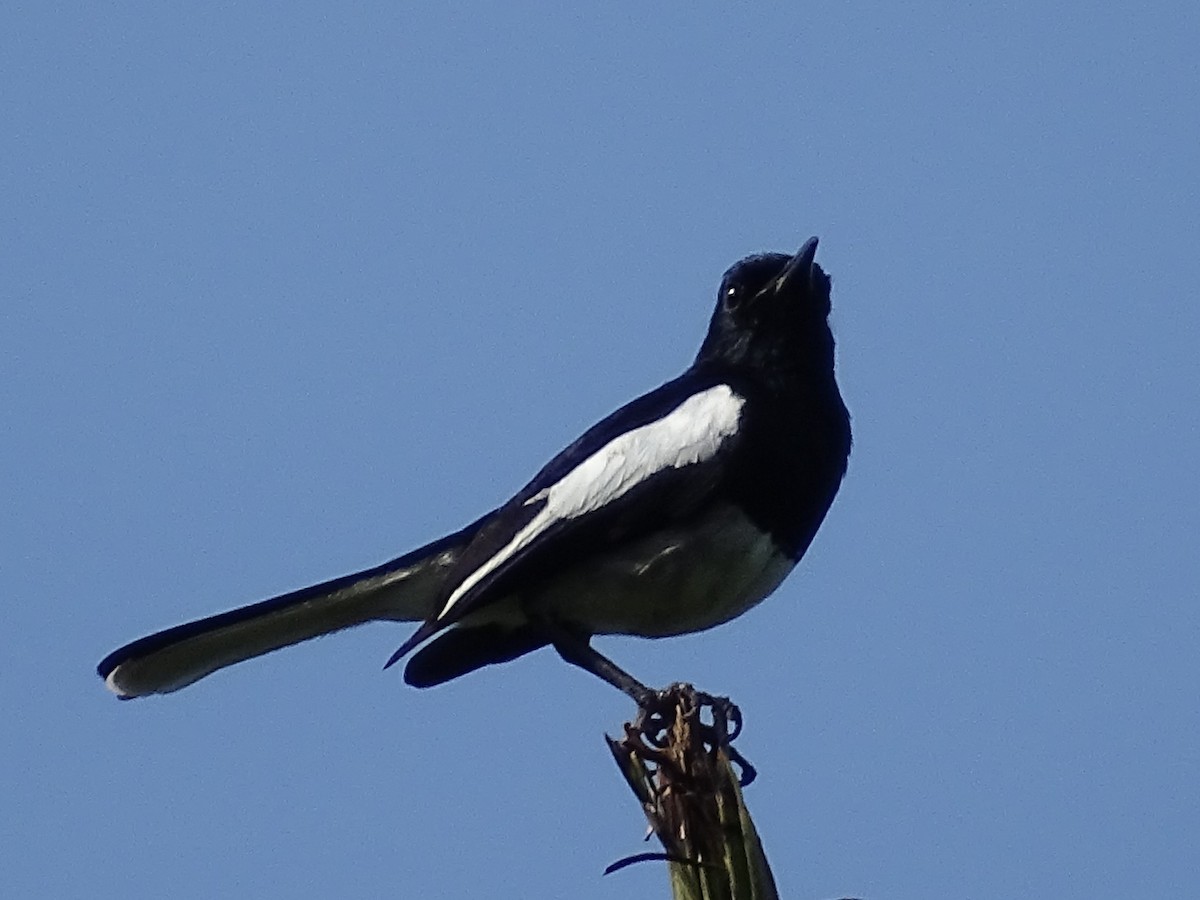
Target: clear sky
[288,289]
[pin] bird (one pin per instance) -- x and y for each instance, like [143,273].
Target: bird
[678,512]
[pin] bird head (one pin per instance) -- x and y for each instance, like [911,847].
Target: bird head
[772,316]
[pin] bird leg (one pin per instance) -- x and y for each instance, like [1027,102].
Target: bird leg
[656,709]
[578,651]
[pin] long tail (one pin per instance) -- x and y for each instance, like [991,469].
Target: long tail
[403,589]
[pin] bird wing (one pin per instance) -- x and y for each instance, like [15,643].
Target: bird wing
[651,463]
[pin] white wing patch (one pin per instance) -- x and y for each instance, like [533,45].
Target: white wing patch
[689,434]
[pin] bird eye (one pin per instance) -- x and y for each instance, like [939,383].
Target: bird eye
[732,296]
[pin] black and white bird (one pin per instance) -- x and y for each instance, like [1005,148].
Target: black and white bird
[678,512]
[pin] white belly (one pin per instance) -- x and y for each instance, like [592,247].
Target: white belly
[674,582]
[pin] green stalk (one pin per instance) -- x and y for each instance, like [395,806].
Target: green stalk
[680,771]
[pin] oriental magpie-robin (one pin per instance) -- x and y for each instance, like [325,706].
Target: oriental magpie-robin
[678,512]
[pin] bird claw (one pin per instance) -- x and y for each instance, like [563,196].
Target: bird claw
[660,711]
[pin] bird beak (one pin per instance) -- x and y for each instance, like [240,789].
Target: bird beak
[799,270]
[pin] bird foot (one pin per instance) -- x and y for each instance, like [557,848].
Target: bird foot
[663,714]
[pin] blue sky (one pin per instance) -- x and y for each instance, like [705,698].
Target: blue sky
[289,289]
